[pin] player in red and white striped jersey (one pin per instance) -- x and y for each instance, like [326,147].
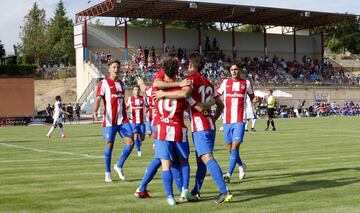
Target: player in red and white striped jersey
[151,111]
[203,126]
[136,105]
[111,91]
[234,91]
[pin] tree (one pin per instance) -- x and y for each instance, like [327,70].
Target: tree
[343,36]
[250,29]
[174,24]
[2,52]
[33,35]
[60,39]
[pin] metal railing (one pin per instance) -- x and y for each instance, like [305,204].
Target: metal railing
[92,86]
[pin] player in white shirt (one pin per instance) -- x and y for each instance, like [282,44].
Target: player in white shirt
[58,112]
[250,114]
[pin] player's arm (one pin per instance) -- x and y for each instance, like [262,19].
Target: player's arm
[180,94]
[141,84]
[160,84]
[96,107]
[219,107]
[63,111]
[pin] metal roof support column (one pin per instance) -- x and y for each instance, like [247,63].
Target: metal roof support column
[164,37]
[126,55]
[199,40]
[265,42]
[322,46]
[294,38]
[86,51]
[233,43]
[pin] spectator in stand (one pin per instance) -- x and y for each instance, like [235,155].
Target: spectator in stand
[77,111]
[108,56]
[70,110]
[152,52]
[146,54]
[103,58]
[173,51]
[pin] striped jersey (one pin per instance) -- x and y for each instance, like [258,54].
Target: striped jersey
[170,125]
[150,115]
[234,92]
[136,107]
[113,95]
[203,92]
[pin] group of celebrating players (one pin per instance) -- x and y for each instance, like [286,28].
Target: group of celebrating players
[166,101]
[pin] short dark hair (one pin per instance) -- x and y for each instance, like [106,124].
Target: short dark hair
[271,91]
[58,98]
[197,61]
[137,86]
[114,61]
[170,66]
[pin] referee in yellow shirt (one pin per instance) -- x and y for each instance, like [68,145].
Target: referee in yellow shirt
[271,102]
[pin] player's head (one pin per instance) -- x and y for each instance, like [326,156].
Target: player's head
[196,63]
[270,92]
[136,90]
[114,67]
[170,66]
[58,98]
[235,71]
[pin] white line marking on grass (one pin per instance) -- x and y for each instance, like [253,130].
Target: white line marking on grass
[50,151]
[42,160]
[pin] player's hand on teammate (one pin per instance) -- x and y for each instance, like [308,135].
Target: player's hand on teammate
[158,95]
[185,83]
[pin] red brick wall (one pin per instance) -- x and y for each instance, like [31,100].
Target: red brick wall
[17,96]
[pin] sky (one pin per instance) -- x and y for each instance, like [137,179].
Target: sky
[12,12]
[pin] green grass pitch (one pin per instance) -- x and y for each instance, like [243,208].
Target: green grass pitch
[308,165]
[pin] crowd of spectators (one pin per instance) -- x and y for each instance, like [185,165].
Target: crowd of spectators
[262,71]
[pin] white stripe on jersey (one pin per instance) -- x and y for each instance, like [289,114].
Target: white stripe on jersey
[184,135]
[234,110]
[198,123]
[170,133]
[108,103]
[211,123]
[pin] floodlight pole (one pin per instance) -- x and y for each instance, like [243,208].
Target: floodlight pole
[126,41]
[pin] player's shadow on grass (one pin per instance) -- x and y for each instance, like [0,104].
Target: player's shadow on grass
[299,174]
[299,186]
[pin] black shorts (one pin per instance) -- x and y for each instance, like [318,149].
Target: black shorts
[270,112]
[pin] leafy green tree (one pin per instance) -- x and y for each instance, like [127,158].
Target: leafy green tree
[2,52]
[60,39]
[33,35]
[173,24]
[250,29]
[343,36]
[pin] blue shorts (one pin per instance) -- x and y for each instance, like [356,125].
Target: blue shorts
[204,142]
[149,127]
[234,132]
[124,130]
[169,150]
[138,128]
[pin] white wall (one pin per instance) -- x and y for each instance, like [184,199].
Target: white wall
[246,43]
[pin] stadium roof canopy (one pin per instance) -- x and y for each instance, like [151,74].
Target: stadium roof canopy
[203,12]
